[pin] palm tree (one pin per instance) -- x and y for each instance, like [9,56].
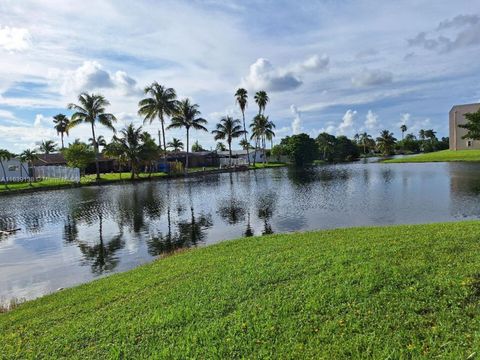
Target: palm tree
[228,129]
[131,143]
[421,134]
[29,156]
[364,139]
[61,125]
[91,109]
[115,150]
[262,130]
[187,116]
[48,147]
[162,102]
[176,145]
[242,100]
[386,142]
[101,142]
[403,129]
[5,155]
[245,145]
[220,146]
[261,98]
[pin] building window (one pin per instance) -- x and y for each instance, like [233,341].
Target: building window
[469,143]
[13,168]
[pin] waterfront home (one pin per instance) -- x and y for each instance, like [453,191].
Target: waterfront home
[243,156]
[106,165]
[15,170]
[195,159]
[457,117]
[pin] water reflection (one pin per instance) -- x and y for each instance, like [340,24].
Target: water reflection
[74,235]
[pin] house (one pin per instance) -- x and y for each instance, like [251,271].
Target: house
[457,117]
[15,170]
[242,154]
[106,165]
[195,159]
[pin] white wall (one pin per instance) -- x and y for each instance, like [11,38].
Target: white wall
[14,170]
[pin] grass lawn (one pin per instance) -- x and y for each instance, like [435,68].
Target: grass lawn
[125,176]
[385,292]
[440,156]
[267,165]
[38,184]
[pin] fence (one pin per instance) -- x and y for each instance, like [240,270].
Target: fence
[58,172]
[234,162]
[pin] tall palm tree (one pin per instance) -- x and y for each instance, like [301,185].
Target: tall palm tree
[364,139]
[403,129]
[187,116]
[100,141]
[245,145]
[48,147]
[161,102]
[228,129]
[5,155]
[262,130]
[421,134]
[61,125]
[91,110]
[242,100]
[176,145]
[261,98]
[29,156]
[386,142]
[131,143]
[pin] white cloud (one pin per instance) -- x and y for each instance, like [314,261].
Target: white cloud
[14,39]
[372,78]
[92,76]
[313,63]
[459,21]
[371,120]
[263,76]
[297,120]
[347,123]
[42,121]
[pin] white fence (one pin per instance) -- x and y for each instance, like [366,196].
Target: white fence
[58,172]
[234,162]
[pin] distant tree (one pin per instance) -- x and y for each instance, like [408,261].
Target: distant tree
[262,130]
[79,155]
[101,142]
[220,146]
[241,97]
[29,156]
[386,143]
[61,126]
[301,149]
[48,147]
[345,149]
[245,144]
[196,147]
[403,129]
[161,102]
[228,129]
[187,116]
[421,134]
[5,155]
[365,140]
[326,146]
[91,110]
[176,145]
[278,151]
[409,144]
[472,126]
[131,140]
[149,152]
[115,150]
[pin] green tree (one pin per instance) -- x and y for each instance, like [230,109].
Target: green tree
[228,129]
[365,140]
[176,145]
[101,142]
[301,149]
[261,98]
[262,130]
[245,145]
[91,110]
[131,142]
[114,150]
[403,129]
[5,155]
[188,116]
[61,125]
[326,145]
[29,156]
[345,149]
[161,102]
[48,147]
[196,147]
[149,152]
[241,97]
[472,126]
[79,155]
[386,143]
[220,146]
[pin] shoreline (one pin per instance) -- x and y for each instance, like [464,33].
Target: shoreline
[130,181]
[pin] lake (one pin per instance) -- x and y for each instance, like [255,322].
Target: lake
[72,236]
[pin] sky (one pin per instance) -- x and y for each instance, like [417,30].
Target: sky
[337,66]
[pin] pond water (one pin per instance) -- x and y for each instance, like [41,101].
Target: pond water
[72,236]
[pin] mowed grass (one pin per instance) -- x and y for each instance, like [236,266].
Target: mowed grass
[124,176]
[440,156]
[46,183]
[267,165]
[384,292]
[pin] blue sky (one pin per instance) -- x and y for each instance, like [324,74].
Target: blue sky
[336,66]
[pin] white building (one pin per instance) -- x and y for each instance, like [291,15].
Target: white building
[242,154]
[15,170]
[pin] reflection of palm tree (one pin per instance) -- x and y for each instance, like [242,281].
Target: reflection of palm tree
[102,257]
[231,209]
[266,206]
[249,230]
[192,232]
[70,230]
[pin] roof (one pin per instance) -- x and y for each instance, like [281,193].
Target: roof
[184,153]
[472,105]
[50,159]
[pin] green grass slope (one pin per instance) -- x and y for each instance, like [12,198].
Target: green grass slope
[440,156]
[387,292]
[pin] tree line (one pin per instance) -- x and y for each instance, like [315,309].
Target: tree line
[134,147]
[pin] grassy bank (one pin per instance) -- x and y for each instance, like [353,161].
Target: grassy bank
[440,156]
[393,292]
[267,165]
